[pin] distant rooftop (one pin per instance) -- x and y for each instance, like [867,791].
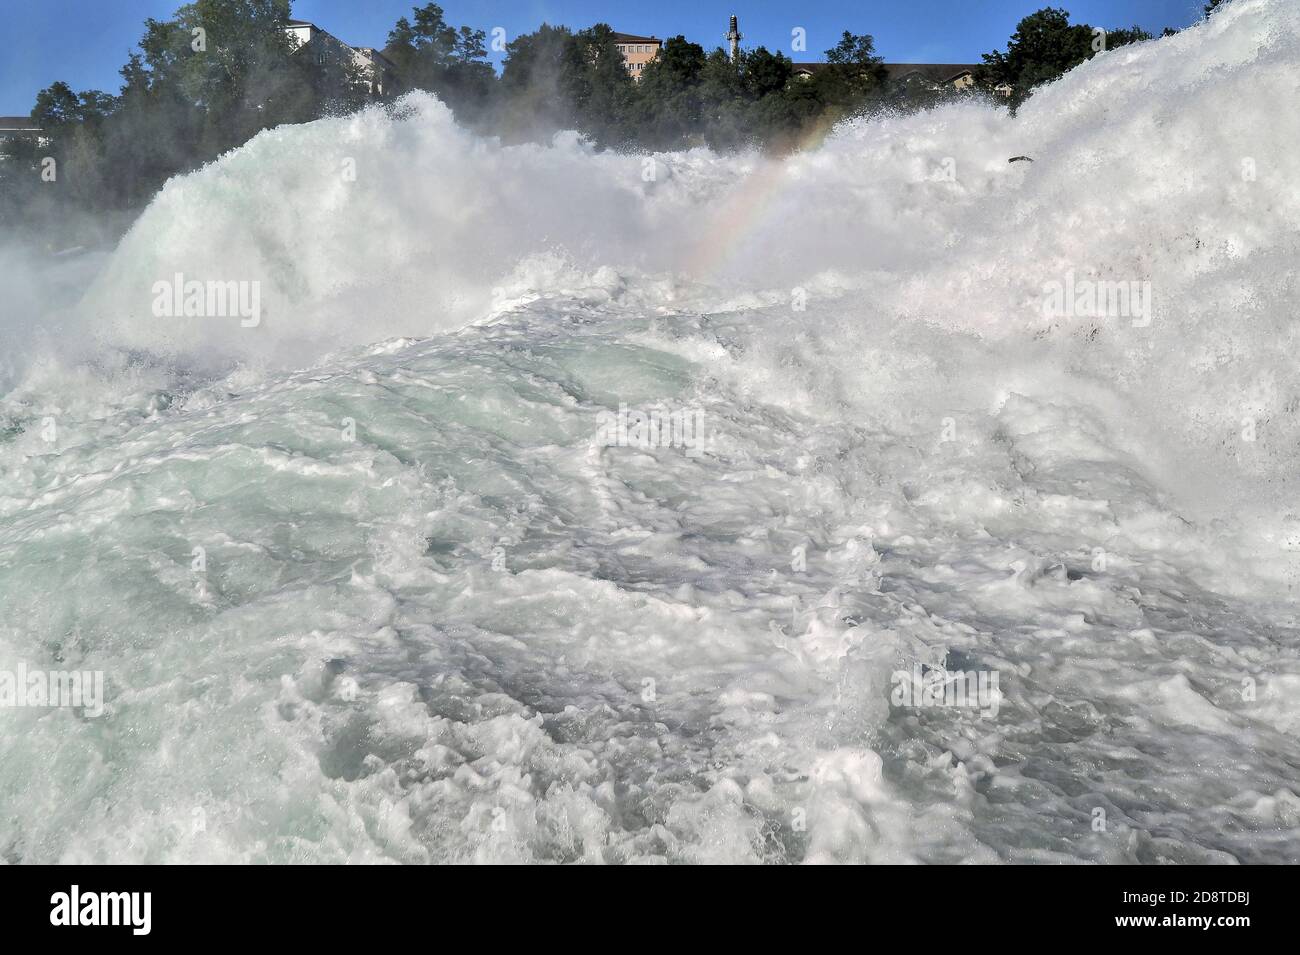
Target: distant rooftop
[937,72]
[633,38]
[18,124]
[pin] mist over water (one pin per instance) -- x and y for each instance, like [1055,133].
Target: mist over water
[366,584]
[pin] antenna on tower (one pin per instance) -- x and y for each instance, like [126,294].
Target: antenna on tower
[734,38]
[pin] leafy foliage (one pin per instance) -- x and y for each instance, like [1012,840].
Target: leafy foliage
[1044,47]
[220,71]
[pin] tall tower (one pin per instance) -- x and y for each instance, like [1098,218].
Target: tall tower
[734,38]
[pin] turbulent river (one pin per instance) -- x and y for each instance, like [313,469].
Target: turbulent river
[886,503]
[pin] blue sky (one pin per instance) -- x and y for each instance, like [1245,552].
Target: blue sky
[84,42]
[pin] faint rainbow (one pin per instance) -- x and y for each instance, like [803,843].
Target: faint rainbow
[748,206]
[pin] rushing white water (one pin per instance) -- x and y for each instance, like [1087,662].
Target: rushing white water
[367,584]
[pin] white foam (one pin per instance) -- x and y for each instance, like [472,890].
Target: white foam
[441,621]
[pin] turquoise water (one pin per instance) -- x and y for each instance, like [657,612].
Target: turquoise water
[369,582]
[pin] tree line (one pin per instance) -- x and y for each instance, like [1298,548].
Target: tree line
[220,71]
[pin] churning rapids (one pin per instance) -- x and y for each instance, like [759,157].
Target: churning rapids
[369,582]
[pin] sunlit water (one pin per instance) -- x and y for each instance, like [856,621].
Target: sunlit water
[369,581]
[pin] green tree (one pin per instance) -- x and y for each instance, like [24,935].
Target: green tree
[432,55]
[668,103]
[725,101]
[1044,46]
[554,78]
[199,84]
[1122,36]
[235,61]
[765,73]
[599,86]
[57,107]
[534,58]
[532,94]
[853,75]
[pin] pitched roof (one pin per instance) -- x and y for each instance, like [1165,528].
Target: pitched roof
[371,52]
[633,38]
[23,123]
[934,72]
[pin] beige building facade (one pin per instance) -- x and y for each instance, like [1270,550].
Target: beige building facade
[637,51]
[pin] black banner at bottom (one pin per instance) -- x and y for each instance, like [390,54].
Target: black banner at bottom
[306,905]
